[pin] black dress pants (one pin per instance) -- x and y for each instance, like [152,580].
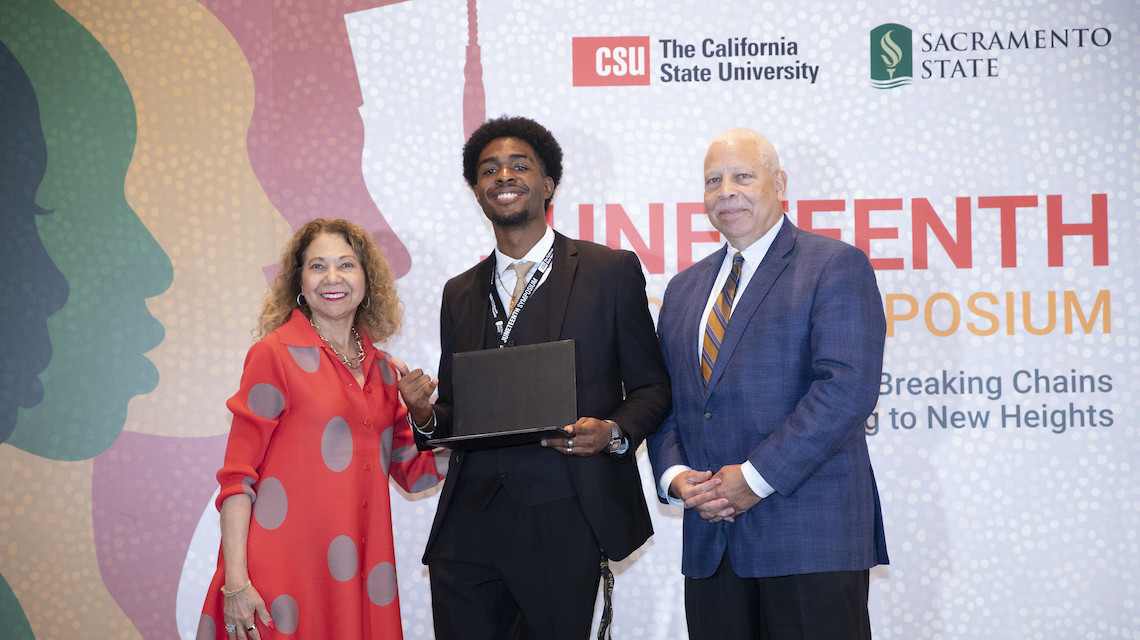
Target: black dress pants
[503,571]
[809,606]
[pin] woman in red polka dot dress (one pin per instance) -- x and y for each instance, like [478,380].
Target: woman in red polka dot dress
[318,428]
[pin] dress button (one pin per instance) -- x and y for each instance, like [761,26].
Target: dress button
[364,505]
[708,415]
[368,389]
[367,467]
[368,423]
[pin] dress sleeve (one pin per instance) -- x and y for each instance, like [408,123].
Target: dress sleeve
[257,407]
[412,469]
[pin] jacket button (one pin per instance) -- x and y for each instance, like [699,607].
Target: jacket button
[708,415]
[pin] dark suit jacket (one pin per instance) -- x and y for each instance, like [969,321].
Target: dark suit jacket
[597,298]
[796,377]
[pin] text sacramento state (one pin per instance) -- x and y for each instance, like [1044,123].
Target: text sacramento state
[737,60]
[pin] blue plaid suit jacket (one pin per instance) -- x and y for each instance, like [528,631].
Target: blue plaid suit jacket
[797,376]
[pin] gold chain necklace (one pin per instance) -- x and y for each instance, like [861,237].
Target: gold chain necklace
[351,364]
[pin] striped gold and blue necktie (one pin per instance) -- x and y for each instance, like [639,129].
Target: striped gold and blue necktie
[718,318]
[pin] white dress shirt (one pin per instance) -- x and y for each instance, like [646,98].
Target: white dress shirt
[505,276]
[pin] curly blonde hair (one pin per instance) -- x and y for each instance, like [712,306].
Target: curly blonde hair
[383,313]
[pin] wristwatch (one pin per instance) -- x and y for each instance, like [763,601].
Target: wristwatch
[616,439]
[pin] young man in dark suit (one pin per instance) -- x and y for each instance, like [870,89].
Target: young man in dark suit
[521,533]
[775,347]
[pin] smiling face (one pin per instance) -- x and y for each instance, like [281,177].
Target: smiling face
[743,187]
[332,280]
[511,184]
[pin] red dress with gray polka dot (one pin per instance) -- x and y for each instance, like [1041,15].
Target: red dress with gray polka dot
[314,450]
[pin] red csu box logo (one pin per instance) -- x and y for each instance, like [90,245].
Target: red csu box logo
[608,62]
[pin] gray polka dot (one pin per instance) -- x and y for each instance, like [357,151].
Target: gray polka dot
[424,482]
[271,504]
[265,400]
[387,372]
[247,488]
[308,358]
[382,584]
[403,454]
[342,558]
[442,461]
[207,629]
[285,614]
[386,448]
[336,444]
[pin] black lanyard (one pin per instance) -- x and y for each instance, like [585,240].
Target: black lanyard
[497,305]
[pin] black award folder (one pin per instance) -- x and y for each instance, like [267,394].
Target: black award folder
[511,396]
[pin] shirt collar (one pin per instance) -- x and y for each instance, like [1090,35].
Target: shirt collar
[757,250]
[536,253]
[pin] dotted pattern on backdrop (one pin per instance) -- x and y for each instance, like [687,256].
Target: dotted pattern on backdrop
[191,184]
[975,524]
[993,533]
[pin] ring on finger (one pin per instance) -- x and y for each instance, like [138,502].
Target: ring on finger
[251,627]
[231,628]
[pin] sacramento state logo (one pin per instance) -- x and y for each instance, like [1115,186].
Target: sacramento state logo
[891,62]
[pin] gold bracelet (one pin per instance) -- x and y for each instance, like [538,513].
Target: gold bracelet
[430,424]
[230,594]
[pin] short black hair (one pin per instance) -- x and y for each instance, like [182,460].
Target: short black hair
[525,129]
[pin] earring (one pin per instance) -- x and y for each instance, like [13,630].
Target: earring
[367,301]
[301,300]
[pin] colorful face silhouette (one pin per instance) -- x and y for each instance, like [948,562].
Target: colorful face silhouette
[35,288]
[306,139]
[109,259]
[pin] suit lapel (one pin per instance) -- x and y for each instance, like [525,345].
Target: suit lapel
[694,323]
[475,326]
[560,280]
[774,262]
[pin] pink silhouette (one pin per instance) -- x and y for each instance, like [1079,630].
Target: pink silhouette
[147,495]
[306,138]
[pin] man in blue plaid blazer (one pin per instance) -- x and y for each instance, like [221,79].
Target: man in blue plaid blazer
[766,447]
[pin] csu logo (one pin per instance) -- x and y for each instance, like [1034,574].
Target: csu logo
[891,61]
[607,62]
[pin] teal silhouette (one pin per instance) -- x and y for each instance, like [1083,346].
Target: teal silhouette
[33,286]
[12,618]
[109,259]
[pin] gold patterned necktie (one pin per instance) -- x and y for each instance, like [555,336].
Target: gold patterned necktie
[521,269]
[718,318]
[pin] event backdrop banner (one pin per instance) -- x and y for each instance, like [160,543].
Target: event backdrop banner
[154,158]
